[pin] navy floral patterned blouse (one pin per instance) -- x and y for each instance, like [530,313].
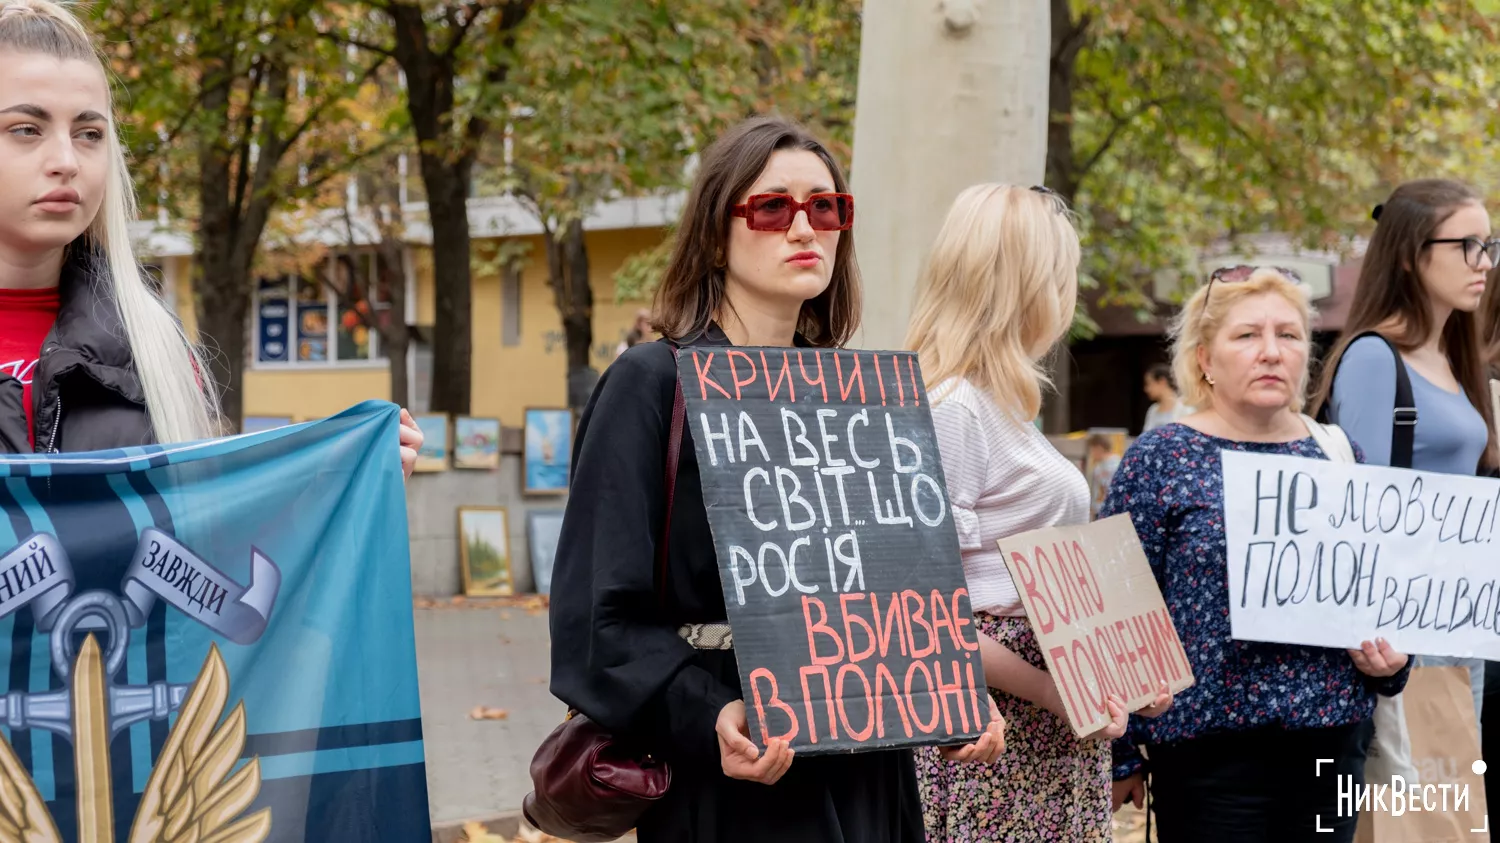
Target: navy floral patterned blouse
[1171,483]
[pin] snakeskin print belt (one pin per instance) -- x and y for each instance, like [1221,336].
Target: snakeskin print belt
[707,636]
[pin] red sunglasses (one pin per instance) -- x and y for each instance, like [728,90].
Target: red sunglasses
[776,211]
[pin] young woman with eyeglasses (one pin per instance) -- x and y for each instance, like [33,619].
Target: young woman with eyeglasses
[1417,301]
[762,258]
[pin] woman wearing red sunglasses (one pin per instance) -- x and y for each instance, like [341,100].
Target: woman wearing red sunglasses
[762,258]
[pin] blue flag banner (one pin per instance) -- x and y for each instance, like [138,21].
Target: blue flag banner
[211,641]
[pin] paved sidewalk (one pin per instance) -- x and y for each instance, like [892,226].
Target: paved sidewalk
[496,657]
[481,654]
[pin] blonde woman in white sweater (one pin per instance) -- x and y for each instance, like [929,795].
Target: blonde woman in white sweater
[998,292]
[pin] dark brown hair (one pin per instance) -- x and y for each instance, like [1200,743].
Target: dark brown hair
[1489,322]
[691,294]
[1391,299]
[1161,372]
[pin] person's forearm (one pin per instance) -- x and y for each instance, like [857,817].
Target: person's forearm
[1008,672]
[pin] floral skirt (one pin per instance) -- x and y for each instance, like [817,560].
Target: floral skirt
[1047,786]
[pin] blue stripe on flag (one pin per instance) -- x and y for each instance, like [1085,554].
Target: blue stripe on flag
[40,522]
[333,737]
[341,760]
[135,654]
[41,739]
[40,679]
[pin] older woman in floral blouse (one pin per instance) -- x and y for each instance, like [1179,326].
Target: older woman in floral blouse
[1235,759]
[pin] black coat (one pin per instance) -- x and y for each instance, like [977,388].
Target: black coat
[85,391]
[616,655]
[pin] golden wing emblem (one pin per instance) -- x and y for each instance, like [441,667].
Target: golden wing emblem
[23,814]
[188,798]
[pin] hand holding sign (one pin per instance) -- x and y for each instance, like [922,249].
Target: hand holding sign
[741,758]
[1378,659]
[987,749]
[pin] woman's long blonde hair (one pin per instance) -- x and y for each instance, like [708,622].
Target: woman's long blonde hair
[179,391]
[997,293]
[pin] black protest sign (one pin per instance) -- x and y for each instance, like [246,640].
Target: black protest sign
[836,547]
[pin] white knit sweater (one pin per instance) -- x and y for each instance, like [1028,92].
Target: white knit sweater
[1004,478]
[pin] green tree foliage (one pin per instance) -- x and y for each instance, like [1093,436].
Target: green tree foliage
[234,111]
[1176,124]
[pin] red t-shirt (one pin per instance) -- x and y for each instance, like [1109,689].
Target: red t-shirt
[25,318]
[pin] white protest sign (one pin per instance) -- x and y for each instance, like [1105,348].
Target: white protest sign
[1332,554]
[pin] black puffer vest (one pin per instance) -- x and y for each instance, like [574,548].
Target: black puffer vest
[85,390]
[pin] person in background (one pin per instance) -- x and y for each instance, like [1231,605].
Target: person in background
[637,333]
[1166,406]
[763,257]
[1417,303]
[1234,760]
[1489,313]
[1103,462]
[997,294]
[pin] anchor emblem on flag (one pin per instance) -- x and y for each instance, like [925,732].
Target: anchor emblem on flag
[194,792]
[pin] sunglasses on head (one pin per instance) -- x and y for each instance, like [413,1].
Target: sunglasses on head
[1242,272]
[776,211]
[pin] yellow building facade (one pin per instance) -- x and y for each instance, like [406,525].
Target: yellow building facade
[519,353]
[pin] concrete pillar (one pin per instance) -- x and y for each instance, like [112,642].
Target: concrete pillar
[951,93]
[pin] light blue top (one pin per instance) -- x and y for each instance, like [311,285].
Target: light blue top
[1450,436]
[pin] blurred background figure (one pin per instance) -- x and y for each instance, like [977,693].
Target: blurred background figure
[1103,462]
[639,331]
[1167,407]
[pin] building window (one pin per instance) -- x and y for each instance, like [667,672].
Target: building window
[334,317]
[510,305]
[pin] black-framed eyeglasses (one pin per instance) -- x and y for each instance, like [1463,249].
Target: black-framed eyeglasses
[1474,249]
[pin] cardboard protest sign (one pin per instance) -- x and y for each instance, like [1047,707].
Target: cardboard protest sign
[1098,617]
[1331,554]
[1447,803]
[836,546]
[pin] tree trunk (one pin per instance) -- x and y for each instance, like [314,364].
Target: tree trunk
[395,336]
[568,274]
[452,346]
[1062,175]
[447,154]
[1067,40]
[962,100]
[229,227]
[222,307]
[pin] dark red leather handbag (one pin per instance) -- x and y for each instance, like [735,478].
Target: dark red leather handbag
[588,785]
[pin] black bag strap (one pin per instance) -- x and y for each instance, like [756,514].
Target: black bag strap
[1404,411]
[674,453]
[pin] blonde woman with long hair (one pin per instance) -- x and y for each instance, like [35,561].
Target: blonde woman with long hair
[996,296]
[90,356]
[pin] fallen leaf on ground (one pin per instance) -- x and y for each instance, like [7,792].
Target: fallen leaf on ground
[482,712]
[477,833]
[534,604]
